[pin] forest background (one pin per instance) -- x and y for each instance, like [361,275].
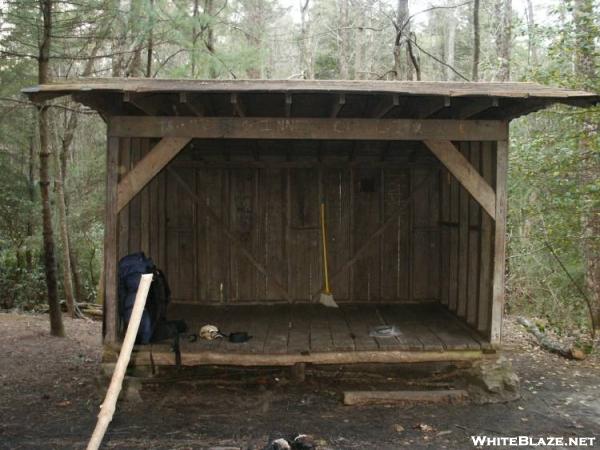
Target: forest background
[52,157]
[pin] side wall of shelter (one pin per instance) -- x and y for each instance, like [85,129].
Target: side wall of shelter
[467,241]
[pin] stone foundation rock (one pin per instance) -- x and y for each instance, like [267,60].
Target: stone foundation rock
[493,381]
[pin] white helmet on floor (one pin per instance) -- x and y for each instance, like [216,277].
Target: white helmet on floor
[209,332]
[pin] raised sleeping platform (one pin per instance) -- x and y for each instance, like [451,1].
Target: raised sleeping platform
[285,335]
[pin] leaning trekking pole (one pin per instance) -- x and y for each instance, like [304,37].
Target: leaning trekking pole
[107,409]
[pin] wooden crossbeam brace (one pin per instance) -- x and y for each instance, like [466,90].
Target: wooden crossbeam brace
[140,104]
[184,99]
[203,203]
[465,173]
[475,107]
[385,105]
[147,168]
[428,110]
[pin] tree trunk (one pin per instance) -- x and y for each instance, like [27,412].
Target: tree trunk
[449,43]
[359,58]
[402,60]
[531,35]
[586,73]
[210,37]
[31,192]
[195,35]
[119,34]
[344,40]
[64,235]
[306,66]
[150,49]
[476,41]
[72,288]
[56,323]
[504,37]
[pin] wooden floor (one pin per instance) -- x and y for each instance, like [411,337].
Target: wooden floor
[287,334]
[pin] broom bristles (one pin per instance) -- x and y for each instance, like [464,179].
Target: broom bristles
[327,300]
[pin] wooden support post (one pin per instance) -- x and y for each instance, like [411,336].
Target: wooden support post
[298,372]
[499,242]
[465,173]
[160,155]
[110,242]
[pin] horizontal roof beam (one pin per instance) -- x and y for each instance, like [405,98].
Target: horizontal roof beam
[307,128]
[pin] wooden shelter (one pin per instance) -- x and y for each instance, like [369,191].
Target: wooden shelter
[220,182]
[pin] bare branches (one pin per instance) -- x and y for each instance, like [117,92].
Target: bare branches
[27,104]
[440,61]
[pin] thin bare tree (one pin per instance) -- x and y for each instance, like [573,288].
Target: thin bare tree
[503,10]
[56,323]
[476,41]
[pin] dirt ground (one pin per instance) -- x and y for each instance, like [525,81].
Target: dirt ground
[49,399]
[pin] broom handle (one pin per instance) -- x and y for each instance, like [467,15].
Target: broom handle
[108,406]
[324,237]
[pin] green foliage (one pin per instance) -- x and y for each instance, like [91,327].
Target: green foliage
[21,287]
[548,195]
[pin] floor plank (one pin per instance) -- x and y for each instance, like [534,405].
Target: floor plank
[393,315]
[340,332]
[299,333]
[278,330]
[320,333]
[359,328]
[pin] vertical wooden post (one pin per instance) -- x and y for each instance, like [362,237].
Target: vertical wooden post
[110,241]
[500,242]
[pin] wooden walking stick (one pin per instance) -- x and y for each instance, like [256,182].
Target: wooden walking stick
[107,409]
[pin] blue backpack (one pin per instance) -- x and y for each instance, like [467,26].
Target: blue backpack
[131,269]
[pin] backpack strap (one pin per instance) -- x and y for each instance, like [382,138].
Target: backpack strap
[177,351]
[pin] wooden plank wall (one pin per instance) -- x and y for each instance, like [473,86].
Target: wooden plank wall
[274,210]
[467,242]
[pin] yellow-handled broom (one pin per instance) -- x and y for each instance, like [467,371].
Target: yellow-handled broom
[326,297]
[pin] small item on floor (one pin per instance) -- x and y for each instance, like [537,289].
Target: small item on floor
[382,331]
[239,337]
[210,333]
